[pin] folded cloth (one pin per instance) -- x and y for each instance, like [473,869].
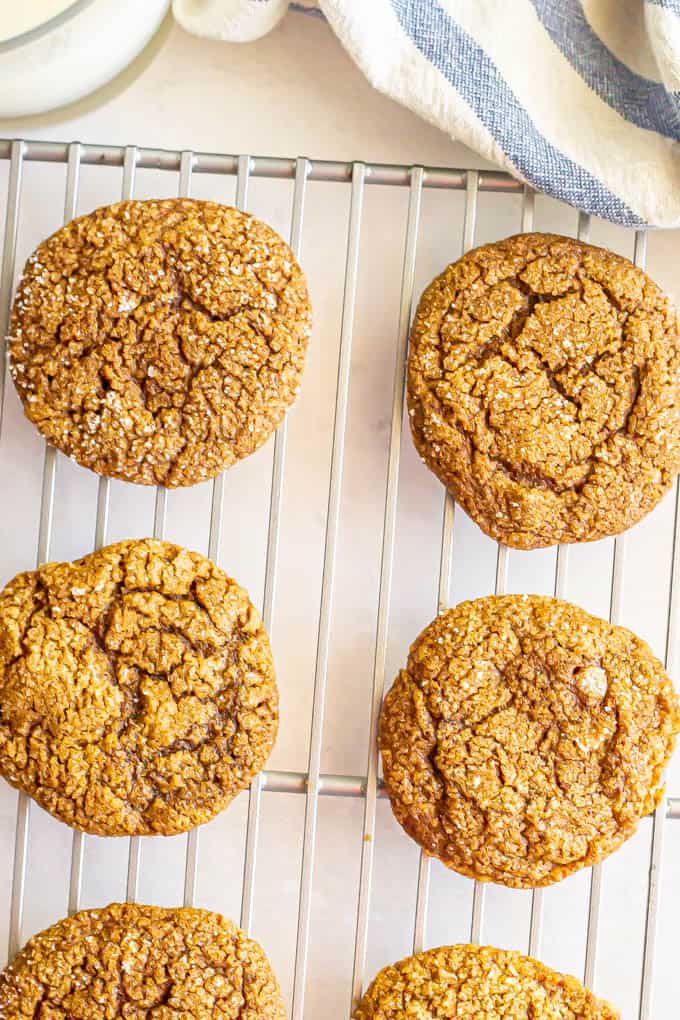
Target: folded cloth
[236,20]
[231,20]
[579,98]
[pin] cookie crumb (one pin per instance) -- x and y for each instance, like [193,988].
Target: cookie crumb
[591,682]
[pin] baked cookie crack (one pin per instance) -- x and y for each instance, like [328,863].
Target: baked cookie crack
[544,389]
[137,689]
[525,739]
[159,342]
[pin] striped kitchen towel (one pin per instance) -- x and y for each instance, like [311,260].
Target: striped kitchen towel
[579,98]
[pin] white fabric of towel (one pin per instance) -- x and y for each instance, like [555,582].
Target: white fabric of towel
[579,98]
[230,20]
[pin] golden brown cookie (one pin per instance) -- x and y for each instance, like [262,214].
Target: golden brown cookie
[526,739]
[544,389]
[159,342]
[137,962]
[137,689]
[475,982]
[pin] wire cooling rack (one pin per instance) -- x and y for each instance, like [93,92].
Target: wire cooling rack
[367,843]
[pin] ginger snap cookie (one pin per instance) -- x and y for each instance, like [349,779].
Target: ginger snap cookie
[133,961]
[137,689]
[159,342]
[526,739]
[471,982]
[544,389]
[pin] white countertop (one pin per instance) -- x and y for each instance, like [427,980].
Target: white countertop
[297,93]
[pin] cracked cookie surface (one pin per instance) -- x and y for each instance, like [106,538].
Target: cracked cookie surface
[478,983]
[137,689]
[161,341]
[526,739]
[544,389]
[137,962]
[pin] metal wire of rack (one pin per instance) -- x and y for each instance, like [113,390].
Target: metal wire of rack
[313,783]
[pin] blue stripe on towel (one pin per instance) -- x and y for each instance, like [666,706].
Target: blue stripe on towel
[470,71]
[303,9]
[639,100]
[668,5]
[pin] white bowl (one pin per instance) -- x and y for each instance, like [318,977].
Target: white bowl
[74,53]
